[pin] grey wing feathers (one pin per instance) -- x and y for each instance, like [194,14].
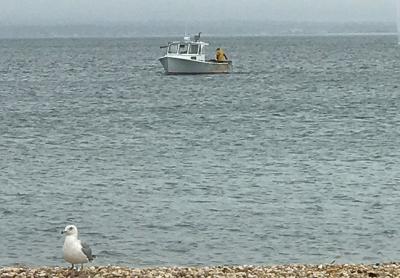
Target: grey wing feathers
[87,251]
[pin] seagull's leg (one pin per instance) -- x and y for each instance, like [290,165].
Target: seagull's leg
[81,267]
[72,267]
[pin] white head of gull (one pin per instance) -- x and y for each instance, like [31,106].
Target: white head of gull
[75,251]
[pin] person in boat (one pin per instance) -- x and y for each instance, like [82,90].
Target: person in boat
[220,55]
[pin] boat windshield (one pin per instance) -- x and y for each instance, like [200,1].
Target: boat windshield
[194,49]
[183,49]
[173,48]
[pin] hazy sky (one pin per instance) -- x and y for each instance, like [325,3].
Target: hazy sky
[125,11]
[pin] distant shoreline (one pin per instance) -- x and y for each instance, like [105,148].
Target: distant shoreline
[389,34]
[213,29]
[294,270]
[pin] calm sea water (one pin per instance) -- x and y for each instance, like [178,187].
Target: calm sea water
[293,158]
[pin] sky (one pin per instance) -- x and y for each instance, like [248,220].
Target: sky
[56,12]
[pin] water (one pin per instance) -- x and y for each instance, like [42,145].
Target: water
[293,158]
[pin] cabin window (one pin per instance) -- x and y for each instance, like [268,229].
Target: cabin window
[194,49]
[173,48]
[183,49]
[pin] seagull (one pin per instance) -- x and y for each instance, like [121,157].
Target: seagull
[75,251]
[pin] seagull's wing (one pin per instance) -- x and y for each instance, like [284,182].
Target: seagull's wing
[87,251]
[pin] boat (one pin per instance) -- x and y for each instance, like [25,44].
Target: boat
[188,57]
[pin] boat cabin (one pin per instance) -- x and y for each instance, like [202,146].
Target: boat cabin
[187,49]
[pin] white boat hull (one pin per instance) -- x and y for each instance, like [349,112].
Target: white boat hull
[174,65]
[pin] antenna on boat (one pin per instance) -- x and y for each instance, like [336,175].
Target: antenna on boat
[186,34]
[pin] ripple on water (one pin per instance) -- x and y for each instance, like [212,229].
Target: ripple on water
[291,159]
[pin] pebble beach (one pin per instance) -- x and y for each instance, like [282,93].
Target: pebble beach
[292,271]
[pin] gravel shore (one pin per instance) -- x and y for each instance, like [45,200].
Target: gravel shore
[292,271]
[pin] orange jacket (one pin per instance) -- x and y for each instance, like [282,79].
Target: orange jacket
[220,55]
